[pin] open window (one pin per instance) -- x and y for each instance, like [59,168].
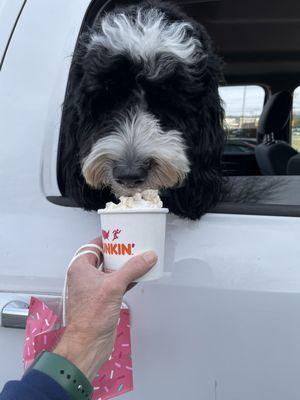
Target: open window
[295,133]
[257,154]
[243,106]
[247,191]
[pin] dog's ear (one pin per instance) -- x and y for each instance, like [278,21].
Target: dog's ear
[203,185]
[74,123]
[204,136]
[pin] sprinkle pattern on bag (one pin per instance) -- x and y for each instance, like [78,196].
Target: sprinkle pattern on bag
[113,379]
[40,319]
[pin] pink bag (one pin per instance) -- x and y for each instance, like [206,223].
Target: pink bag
[43,330]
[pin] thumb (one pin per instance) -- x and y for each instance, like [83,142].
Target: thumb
[137,266]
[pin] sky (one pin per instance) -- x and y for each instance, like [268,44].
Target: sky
[233,100]
[296,100]
[254,100]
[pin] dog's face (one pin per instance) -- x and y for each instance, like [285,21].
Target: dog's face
[144,110]
[134,70]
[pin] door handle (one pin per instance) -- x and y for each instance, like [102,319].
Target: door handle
[14,314]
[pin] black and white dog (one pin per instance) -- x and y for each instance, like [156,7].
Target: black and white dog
[143,111]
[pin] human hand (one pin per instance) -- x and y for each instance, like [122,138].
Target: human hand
[93,308]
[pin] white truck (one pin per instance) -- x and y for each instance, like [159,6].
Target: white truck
[224,325]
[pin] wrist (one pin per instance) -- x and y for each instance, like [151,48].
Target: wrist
[81,350]
[65,373]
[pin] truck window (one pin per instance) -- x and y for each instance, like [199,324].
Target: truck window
[246,189]
[295,134]
[243,106]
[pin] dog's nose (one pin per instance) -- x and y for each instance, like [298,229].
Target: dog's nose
[130,176]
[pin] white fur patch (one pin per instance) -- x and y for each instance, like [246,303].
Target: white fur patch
[138,135]
[147,35]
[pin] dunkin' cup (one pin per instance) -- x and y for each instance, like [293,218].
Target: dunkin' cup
[129,232]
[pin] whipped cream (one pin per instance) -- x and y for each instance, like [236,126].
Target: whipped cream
[146,199]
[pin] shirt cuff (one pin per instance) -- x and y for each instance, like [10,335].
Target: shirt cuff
[34,385]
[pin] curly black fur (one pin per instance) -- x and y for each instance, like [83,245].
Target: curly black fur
[185,99]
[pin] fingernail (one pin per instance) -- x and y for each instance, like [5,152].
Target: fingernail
[150,257]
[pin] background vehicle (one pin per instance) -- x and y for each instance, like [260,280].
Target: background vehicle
[226,323]
[239,146]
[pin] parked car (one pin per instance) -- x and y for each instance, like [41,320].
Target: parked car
[225,323]
[239,146]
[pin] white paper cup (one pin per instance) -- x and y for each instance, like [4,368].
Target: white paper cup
[129,232]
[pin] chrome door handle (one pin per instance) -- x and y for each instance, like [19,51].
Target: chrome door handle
[14,314]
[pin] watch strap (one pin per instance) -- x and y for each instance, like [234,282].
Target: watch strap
[65,373]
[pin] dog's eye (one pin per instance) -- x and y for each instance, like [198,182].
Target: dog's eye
[108,85]
[161,87]
[164,87]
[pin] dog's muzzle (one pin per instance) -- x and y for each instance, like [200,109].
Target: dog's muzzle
[136,155]
[131,175]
